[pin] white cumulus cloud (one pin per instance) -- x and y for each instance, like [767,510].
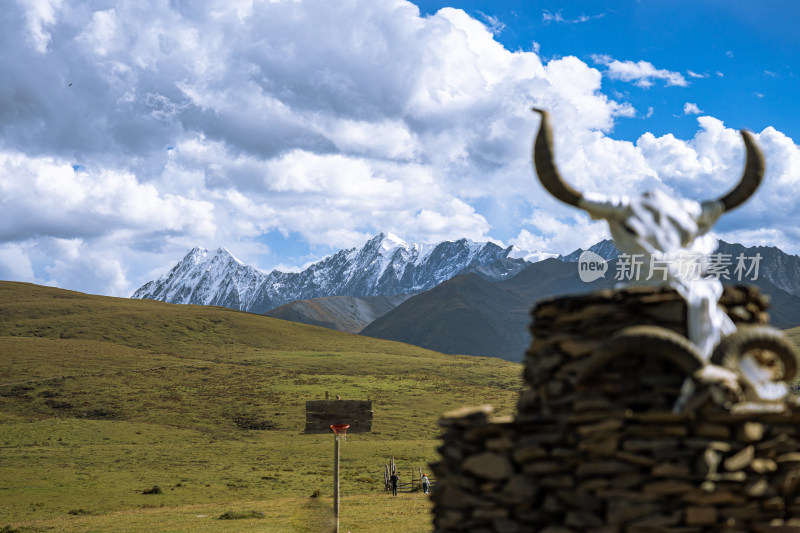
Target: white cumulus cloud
[640,73]
[690,108]
[220,123]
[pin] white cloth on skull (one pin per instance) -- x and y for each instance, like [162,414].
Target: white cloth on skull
[664,230]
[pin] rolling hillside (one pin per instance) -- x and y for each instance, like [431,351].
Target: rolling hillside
[464,315]
[470,315]
[342,313]
[101,399]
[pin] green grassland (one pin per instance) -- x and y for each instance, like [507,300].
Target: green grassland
[101,399]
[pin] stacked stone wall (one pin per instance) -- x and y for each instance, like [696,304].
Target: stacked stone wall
[605,452]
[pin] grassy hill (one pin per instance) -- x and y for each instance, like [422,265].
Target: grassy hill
[468,314]
[101,399]
[342,313]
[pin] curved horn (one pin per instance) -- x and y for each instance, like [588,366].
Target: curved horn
[546,167]
[752,176]
[731,349]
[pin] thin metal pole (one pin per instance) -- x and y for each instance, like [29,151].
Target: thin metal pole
[336,481]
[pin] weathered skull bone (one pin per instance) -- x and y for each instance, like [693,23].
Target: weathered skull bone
[679,228]
[656,227]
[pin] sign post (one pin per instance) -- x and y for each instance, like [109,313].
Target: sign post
[336,500]
[340,432]
[339,416]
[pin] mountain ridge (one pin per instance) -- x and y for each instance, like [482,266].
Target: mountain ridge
[384,266]
[358,290]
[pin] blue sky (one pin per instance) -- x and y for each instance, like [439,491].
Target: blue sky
[285,131]
[740,59]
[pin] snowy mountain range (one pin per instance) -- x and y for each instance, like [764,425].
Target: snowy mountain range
[387,266]
[384,265]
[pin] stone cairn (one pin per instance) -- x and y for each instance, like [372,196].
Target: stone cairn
[601,449]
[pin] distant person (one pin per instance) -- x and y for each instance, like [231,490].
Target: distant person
[425,483]
[394,479]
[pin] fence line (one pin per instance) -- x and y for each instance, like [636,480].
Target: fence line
[405,486]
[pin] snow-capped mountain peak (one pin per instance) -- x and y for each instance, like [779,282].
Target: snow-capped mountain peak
[391,242]
[384,265]
[205,278]
[224,252]
[529,255]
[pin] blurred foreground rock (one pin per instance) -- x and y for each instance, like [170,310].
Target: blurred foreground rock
[605,451]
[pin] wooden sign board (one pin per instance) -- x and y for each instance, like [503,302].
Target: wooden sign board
[321,414]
